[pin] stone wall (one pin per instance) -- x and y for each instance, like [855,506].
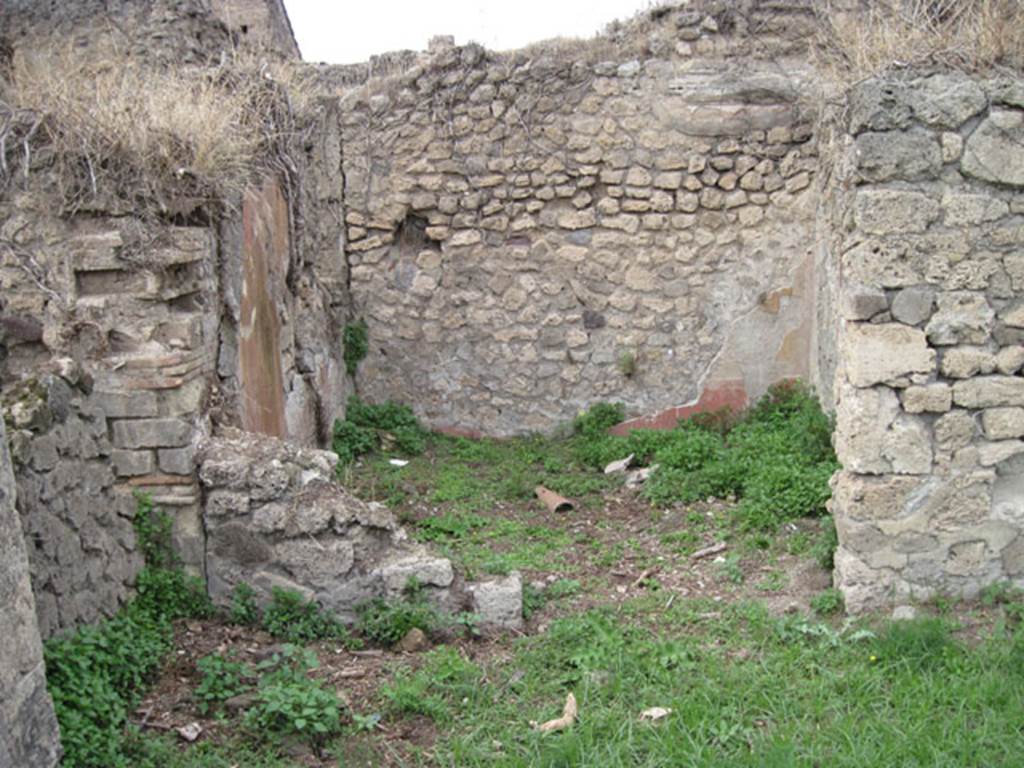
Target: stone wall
[276,517]
[929,208]
[28,727]
[77,524]
[529,234]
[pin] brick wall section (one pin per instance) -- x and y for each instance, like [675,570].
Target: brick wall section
[28,727]
[929,391]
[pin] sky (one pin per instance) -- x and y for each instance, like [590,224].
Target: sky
[349,31]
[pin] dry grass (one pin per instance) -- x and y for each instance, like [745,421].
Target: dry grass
[113,125]
[974,35]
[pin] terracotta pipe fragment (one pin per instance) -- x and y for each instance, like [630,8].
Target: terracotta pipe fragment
[553,501]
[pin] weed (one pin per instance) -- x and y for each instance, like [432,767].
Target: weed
[96,674]
[292,618]
[222,679]
[355,339]
[387,621]
[729,568]
[445,681]
[627,364]
[367,428]
[824,548]
[828,602]
[243,609]
[290,703]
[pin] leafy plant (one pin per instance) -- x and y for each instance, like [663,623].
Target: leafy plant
[387,621]
[290,703]
[828,602]
[368,427]
[243,609]
[222,680]
[292,618]
[356,342]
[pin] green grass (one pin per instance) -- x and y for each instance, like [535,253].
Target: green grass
[745,690]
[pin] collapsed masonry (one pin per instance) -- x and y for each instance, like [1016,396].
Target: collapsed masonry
[663,216]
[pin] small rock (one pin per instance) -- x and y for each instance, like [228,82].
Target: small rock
[190,732]
[619,466]
[413,642]
[904,613]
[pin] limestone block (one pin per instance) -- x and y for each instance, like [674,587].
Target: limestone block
[316,563]
[954,430]
[995,151]
[905,155]
[873,497]
[132,463]
[1013,315]
[964,362]
[879,105]
[268,480]
[990,454]
[889,211]
[1009,360]
[878,353]
[270,518]
[863,417]
[962,317]
[152,433]
[428,571]
[864,588]
[989,392]
[226,503]
[952,146]
[908,446]
[1003,423]
[498,604]
[913,305]
[947,100]
[963,210]
[931,398]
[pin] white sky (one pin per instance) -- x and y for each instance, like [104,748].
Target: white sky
[349,31]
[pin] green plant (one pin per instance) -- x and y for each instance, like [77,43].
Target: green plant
[356,343]
[368,427]
[387,621]
[290,703]
[222,680]
[97,673]
[243,609]
[598,419]
[918,643]
[294,619]
[828,602]
[627,364]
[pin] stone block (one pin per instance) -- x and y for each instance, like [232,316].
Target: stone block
[132,463]
[995,151]
[315,563]
[176,461]
[428,571]
[962,317]
[954,430]
[964,362]
[890,211]
[152,433]
[1009,360]
[874,354]
[947,99]
[904,155]
[964,210]
[930,398]
[1003,423]
[913,305]
[498,604]
[991,454]
[226,503]
[989,392]
[863,417]
[128,405]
